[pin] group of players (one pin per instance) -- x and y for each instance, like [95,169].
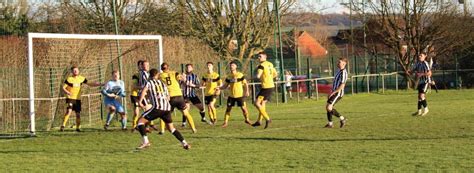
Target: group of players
[159,93]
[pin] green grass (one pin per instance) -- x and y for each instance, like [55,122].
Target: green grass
[381,135]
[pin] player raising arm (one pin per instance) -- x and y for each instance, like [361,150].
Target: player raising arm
[160,108]
[72,88]
[239,89]
[113,90]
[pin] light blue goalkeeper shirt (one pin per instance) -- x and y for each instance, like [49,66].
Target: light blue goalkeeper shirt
[115,87]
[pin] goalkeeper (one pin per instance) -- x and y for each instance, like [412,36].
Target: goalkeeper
[113,90]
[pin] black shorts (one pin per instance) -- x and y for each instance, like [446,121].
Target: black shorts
[334,98]
[266,93]
[154,113]
[422,88]
[134,100]
[177,102]
[73,104]
[231,101]
[209,99]
[193,100]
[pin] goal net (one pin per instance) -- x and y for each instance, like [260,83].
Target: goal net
[50,57]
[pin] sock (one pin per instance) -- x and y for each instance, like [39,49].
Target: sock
[330,123]
[110,116]
[263,112]
[329,114]
[184,119]
[152,123]
[124,123]
[419,104]
[135,121]
[335,113]
[214,114]
[342,118]
[203,114]
[78,122]
[142,129]
[190,119]
[162,125]
[226,117]
[210,112]
[145,139]
[424,103]
[246,116]
[66,118]
[178,136]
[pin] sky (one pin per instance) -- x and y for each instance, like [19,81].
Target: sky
[334,6]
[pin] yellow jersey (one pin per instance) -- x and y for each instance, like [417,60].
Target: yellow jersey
[236,83]
[267,72]
[212,80]
[135,83]
[73,85]
[171,78]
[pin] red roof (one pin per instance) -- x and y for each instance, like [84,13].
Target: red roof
[310,46]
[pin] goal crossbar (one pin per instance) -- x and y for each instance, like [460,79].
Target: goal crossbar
[31,36]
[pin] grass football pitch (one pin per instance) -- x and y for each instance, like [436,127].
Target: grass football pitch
[381,135]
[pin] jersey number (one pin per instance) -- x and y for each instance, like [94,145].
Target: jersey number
[168,80]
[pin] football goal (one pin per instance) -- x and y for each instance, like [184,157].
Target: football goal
[50,57]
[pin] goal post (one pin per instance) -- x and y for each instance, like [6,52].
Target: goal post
[132,45]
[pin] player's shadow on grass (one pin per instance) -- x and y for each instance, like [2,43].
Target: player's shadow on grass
[342,139]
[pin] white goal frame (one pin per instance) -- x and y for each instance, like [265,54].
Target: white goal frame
[31,36]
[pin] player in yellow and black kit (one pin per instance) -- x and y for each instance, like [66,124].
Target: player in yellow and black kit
[171,78]
[72,88]
[265,72]
[134,96]
[239,89]
[211,81]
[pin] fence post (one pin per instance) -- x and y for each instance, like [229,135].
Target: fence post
[253,93]
[383,84]
[352,84]
[396,81]
[101,105]
[308,76]
[219,64]
[182,68]
[276,90]
[52,116]
[316,86]
[13,114]
[298,91]
[51,82]
[368,84]
[457,69]
[356,71]
[89,109]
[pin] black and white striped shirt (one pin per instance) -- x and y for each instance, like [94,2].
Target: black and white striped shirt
[143,78]
[422,67]
[339,79]
[158,94]
[189,91]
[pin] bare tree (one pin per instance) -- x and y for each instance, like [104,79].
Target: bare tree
[409,27]
[234,29]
